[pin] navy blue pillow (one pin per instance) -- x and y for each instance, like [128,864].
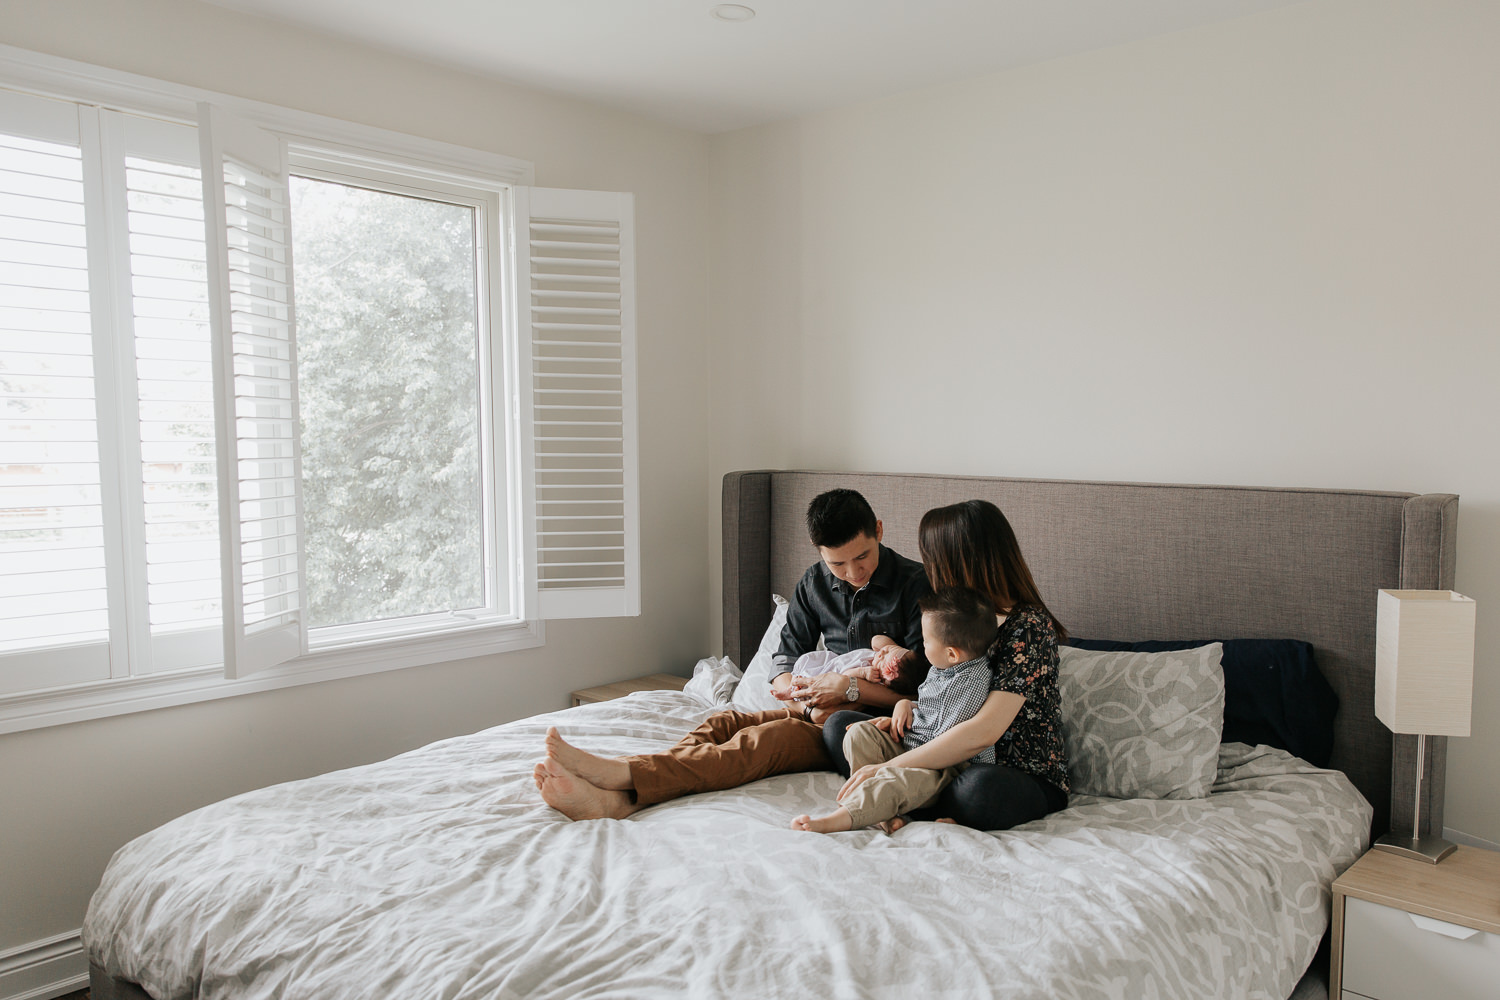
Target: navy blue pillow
[1273,692]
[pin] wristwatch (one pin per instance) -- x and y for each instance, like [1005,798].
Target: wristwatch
[852,695]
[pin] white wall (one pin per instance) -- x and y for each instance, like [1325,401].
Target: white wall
[1262,252]
[71,795]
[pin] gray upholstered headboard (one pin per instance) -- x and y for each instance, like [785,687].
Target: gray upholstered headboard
[1135,561]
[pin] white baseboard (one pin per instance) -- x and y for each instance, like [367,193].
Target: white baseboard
[44,969]
[1459,837]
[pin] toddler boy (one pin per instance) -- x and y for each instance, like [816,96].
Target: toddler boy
[958,626]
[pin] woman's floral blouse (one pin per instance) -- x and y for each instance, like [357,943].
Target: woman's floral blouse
[1023,661]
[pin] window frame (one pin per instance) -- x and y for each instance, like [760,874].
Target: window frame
[311,137]
[498,445]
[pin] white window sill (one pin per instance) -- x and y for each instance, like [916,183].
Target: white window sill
[101,699]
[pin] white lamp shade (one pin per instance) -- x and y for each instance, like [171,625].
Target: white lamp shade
[1424,661]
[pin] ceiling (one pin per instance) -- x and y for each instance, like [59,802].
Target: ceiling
[672,61]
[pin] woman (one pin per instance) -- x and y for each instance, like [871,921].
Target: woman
[971,544]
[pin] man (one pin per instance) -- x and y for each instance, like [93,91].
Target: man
[859,589]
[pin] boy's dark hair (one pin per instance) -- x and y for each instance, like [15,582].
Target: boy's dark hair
[838,517]
[961,618]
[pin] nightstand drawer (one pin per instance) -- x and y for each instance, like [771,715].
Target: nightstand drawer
[1390,955]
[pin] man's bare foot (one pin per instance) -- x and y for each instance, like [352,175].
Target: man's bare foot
[835,822]
[602,772]
[577,799]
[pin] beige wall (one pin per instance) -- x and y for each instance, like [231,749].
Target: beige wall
[1262,252]
[71,795]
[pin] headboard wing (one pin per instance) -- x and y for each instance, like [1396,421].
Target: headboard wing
[1150,561]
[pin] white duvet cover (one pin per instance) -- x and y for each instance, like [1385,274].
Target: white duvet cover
[442,874]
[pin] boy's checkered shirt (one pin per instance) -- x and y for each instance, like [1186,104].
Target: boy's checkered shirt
[948,697]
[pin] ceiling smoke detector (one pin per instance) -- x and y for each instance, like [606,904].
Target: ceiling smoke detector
[732,12]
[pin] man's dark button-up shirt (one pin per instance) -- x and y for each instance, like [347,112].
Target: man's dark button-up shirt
[847,618]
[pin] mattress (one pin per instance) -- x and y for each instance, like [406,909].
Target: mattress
[441,873]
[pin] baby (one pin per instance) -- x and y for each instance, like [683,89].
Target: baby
[958,626]
[892,670]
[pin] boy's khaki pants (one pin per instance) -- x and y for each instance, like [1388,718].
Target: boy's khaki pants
[890,791]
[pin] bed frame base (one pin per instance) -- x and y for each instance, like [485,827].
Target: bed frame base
[103,986]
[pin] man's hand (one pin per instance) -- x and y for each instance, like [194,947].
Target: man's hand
[825,691]
[901,717]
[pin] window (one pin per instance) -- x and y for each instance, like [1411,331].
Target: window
[292,399]
[388,368]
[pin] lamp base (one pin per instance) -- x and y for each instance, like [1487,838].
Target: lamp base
[1429,849]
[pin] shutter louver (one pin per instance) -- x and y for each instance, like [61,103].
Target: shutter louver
[246,203]
[578,303]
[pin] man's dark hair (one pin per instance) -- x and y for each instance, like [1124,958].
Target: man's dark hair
[838,517]
[961,618]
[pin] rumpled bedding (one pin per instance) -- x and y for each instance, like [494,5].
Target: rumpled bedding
[441,874]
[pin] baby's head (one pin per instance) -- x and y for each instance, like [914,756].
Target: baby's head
[958,624]
[900,675]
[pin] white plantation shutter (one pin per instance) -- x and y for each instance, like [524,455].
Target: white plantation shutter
[54,593]
[246,205]
[162,193]
[576,268]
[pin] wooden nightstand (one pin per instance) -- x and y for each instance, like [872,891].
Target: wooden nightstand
[619,689]
[1408,930]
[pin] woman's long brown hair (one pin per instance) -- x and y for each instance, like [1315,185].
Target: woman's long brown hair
[971,544]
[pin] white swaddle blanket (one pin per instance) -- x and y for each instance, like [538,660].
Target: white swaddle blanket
[822,661]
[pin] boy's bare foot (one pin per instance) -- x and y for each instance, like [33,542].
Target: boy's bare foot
[577,799]
[537,775]
[602,772]
[835,822]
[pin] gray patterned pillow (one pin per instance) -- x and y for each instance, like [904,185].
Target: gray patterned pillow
[1143,725]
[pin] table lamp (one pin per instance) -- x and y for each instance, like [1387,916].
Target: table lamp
[1424,682]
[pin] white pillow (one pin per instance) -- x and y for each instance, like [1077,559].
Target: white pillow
[1142,725]
[753,693]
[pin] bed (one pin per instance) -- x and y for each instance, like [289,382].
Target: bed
[440,873]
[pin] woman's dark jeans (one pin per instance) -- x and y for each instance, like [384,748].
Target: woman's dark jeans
[983,796]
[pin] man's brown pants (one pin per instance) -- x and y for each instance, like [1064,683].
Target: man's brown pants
[728,750]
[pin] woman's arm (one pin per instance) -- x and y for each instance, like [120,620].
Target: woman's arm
[957,744]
